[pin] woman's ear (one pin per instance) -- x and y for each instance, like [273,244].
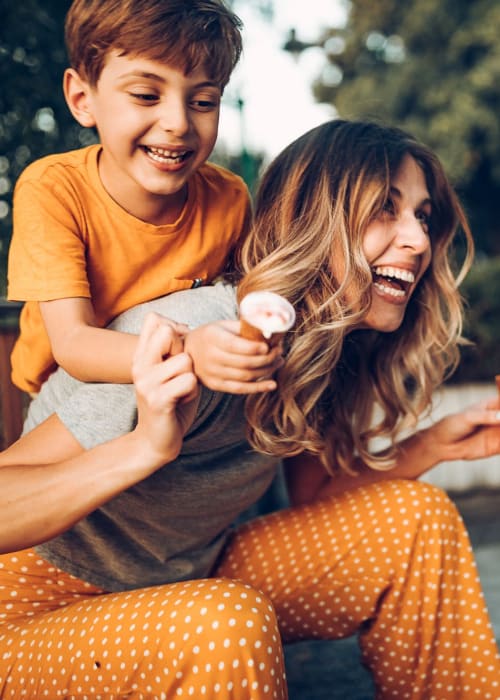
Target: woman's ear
[77,94]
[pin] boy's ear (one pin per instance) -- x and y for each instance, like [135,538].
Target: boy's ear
[77,94]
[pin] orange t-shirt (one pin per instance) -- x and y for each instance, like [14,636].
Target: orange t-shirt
[71,239]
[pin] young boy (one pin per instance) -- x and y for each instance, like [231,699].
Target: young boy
[103,228]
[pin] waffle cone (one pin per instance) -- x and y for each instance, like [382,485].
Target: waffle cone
[253,333]
[497,381]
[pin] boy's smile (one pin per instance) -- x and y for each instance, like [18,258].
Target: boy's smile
[157,126]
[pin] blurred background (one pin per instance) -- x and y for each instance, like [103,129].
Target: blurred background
[430,66]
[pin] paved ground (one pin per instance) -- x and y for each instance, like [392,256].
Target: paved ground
[331,670]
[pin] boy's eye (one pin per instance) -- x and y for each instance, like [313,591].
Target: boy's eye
[144,96]
[205,104]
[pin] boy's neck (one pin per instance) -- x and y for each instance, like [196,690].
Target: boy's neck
[154,208]
[160,209]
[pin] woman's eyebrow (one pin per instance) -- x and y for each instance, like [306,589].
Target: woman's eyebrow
[394,191]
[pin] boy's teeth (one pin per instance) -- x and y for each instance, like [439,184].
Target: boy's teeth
[395,272]
[164,156]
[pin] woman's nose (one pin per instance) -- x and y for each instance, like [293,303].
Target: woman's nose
[412,233]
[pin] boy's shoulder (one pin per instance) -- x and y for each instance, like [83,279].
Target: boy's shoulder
[55,164]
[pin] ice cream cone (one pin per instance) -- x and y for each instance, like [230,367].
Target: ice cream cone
[254,333]
[497,381]
[265,316]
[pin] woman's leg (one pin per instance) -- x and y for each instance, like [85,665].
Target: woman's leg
[61,638]
[392,561]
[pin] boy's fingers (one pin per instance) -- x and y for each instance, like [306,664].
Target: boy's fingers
[233,342]
[258,365]
[234,387]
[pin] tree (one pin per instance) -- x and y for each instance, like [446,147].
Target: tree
[34,119]
[433,68]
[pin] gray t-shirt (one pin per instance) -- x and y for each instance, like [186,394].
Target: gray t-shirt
[173,525]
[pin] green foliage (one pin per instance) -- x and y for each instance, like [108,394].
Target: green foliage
[481,289]
[432,68]
[34,119]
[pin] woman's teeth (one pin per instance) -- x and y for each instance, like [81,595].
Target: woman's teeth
[390,290]
[392,280]
[395,272]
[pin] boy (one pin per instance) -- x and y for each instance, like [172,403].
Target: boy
[103,228]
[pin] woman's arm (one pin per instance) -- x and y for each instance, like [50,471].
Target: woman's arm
[48,482]
[471,434]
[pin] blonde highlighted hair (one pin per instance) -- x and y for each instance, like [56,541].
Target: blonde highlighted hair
[315,201]
[183,34]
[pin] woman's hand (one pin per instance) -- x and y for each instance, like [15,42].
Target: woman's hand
[473,433]
[166,389]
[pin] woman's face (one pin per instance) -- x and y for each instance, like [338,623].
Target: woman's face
[397,247]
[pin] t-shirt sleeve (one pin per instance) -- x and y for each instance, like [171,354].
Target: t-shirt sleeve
[47,252]
[242,211]
[97,413]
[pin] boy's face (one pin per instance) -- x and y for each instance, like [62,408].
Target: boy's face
[157,126]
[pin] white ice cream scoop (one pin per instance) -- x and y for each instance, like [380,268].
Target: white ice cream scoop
[265,316]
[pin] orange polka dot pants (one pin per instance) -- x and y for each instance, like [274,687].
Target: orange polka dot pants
[61,638]
[392,562]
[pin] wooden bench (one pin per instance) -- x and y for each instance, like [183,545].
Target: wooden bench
[12,399]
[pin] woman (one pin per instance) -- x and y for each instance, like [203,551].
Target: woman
[139,585]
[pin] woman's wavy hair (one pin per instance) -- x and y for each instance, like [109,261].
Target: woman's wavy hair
[340,387]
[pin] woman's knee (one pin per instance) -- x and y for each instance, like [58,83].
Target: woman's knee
[230,611]
[225,636]
[407,502]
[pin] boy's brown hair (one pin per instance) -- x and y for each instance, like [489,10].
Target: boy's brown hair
[183,33]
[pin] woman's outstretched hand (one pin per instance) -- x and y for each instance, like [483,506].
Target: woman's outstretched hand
[473,433]
[166,388]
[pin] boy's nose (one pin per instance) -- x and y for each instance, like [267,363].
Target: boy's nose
[174,117]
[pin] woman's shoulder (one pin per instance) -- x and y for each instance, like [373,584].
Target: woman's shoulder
[194,307]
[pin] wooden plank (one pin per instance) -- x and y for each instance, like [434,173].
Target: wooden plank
[11,398]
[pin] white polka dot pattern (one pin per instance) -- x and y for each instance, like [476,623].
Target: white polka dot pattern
[392,561]
[61,638]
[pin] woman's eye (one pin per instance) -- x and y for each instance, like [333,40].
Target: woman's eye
[424,219]
[389,208]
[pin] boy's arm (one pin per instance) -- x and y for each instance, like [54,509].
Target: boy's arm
[86,351]
[224,361]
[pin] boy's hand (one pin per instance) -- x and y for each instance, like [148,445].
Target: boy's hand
[224,361]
